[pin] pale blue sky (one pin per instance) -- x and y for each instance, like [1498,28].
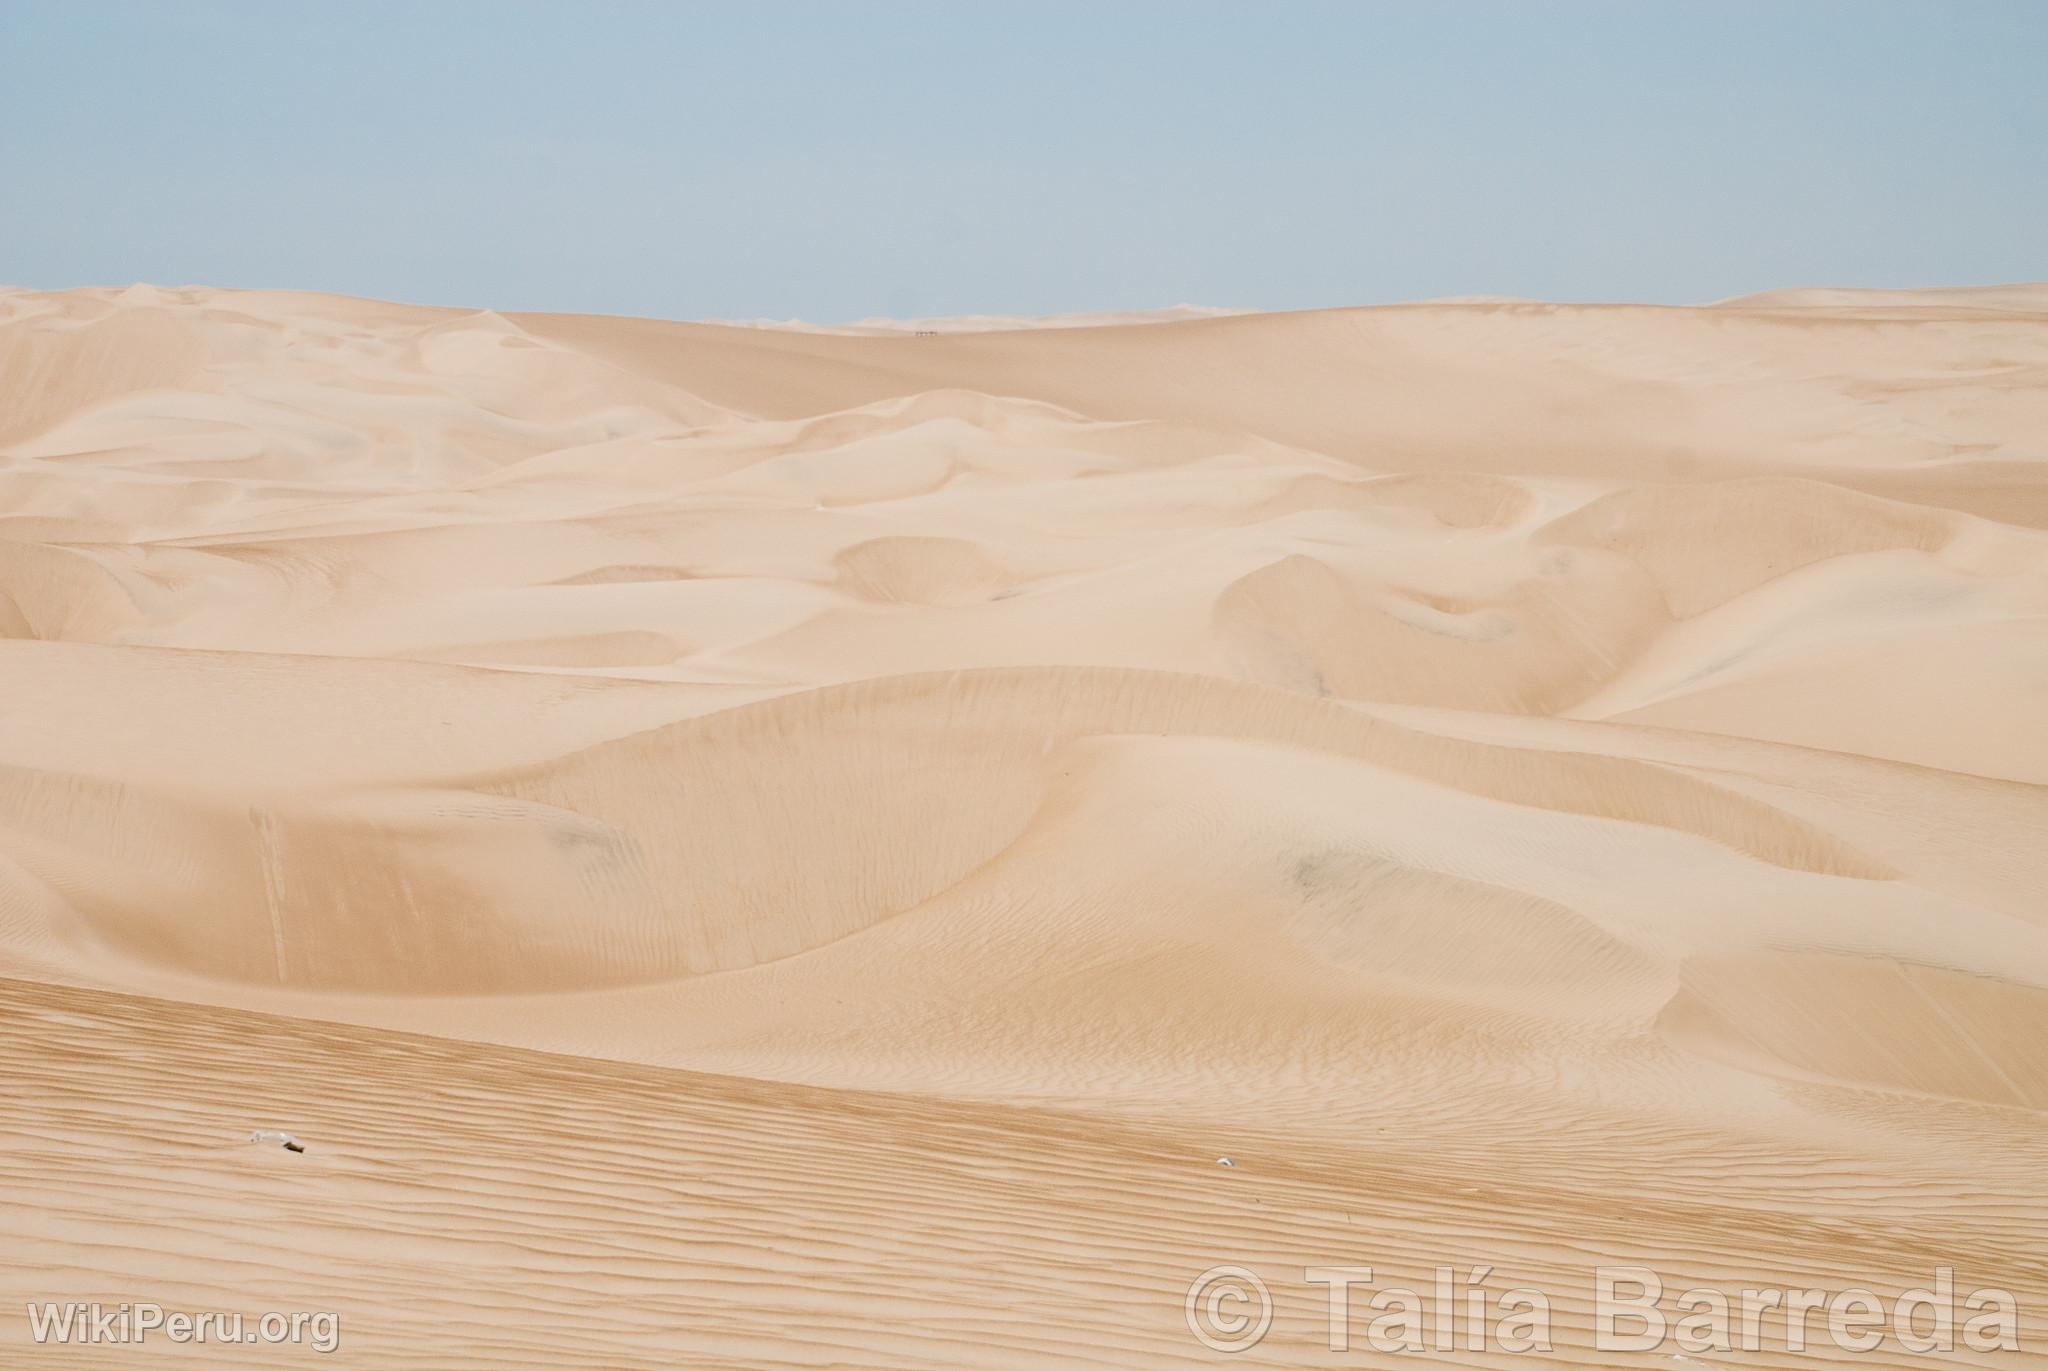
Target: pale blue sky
[835,160]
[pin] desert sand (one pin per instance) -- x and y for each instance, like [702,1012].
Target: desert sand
[776,847]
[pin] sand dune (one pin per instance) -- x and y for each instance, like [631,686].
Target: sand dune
[993,323]
[761,846]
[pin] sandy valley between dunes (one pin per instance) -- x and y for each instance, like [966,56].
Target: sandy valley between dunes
[755,847]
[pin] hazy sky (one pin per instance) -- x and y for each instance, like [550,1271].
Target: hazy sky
[836,160]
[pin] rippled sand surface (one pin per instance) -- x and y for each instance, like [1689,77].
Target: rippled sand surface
[762,847]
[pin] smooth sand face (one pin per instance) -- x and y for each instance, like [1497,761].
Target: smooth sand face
[759,847]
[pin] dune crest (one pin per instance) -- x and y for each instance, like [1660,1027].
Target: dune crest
[1520,779]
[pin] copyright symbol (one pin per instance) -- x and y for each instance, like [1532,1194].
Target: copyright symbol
[1236,1328]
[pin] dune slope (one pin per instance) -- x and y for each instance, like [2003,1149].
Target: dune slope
[747,846]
